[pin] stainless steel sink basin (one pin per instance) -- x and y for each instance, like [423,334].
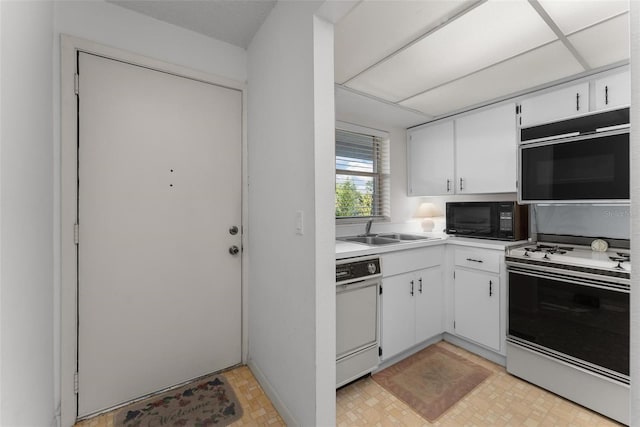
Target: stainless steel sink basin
[402,236]
[371,240]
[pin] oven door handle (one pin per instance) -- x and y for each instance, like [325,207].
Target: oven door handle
[569,279]
[357,285]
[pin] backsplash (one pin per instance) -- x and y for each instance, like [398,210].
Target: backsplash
[580,220]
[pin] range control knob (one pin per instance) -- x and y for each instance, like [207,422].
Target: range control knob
[371,267]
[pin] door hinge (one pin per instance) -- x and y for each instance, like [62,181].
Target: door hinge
[75,382]
[76,233]
[76,83]
[454,274]
[380,351]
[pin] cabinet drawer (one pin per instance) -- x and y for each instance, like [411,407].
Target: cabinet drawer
[411,260]
[479,260]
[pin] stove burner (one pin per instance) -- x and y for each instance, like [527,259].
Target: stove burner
[548,250]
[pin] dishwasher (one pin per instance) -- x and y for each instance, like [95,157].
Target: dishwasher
[357,307]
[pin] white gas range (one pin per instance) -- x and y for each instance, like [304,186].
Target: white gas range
[568,319]
[611,262]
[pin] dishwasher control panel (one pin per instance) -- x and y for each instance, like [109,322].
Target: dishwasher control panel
[357,268]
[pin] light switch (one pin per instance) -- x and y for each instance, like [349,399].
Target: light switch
[299,223]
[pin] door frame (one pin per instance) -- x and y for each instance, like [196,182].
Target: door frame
[69,201]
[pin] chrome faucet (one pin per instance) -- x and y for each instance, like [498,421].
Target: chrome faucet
[367,229]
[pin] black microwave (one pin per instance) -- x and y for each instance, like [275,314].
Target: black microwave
[488,220]
[578,160]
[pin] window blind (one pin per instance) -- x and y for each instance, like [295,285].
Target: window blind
[362,176]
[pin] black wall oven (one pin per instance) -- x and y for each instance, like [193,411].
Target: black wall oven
[584,159]
[579,318]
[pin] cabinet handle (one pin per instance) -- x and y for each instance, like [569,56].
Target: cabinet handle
[411,288]
[420,288]
[475,260]
[606,95]
[490,288]
[577,102]
[461,187]
[448,185]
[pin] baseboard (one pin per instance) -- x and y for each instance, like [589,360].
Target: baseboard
[400,356]
[272,394]
[476,349]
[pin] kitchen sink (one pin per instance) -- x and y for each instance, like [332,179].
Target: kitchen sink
[371,240]
[402,236]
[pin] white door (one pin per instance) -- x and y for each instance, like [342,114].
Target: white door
[159,176]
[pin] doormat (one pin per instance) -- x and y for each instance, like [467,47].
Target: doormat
[432,380]
[207,402]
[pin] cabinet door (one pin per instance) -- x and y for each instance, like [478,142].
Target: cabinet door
[430,160]
[429,303]
[477,307]
[398,314]
[551,106]
[485,140]
[613,91]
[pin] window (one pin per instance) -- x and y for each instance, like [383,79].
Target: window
[362,176]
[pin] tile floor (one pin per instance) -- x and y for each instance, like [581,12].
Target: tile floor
[501,400]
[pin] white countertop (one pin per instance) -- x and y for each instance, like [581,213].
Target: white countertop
[350,249]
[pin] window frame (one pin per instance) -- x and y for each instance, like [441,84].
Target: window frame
[378,177]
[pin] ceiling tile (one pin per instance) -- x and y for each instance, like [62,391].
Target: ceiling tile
[605,43]
[574,15]
[355,108]
[375,29]
[489,33]
[537,67]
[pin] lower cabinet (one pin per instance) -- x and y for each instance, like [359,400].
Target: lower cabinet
[476,299]
[477,307]
[412,309]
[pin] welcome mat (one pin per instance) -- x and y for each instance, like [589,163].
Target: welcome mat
[432,380]
[207,402]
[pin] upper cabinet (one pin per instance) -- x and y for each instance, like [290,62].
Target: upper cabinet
[456,156]
[561,103]
[613,91]
[483,140]
[430,160]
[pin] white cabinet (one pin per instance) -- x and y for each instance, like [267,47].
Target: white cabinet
[430,160]
[412,299]
[613,91]
[483,141]
[477,294]
[559,104]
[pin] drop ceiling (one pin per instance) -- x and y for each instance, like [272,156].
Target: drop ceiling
[405,62]
[435,58]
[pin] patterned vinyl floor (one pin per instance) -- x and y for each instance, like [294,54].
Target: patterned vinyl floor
[501,400]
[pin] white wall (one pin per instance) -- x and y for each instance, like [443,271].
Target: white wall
[114,26]
[291,169]
[26,226]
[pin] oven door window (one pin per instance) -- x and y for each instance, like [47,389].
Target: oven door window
[596,168]
[591,324]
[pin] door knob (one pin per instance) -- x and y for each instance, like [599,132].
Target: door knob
[233,250]
[233,230]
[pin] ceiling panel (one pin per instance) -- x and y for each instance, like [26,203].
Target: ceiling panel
[375,29]
[605,43]
[573,15]
[355,108]
[540,66]
[489,33]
